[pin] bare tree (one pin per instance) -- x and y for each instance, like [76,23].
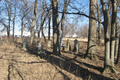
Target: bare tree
[117,31]
[49,27]
[117,45]
[83,31]
[109,59]
[66,4]
[56,38]
[116,38]
[24,11]
[9,11]
[99,25]
[14,17]
[91,49]
[33,21]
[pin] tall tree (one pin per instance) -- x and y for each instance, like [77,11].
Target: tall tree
[117,32]
[9,11]
[109,48]
[91,48]
[56,37]
[117,48]
[14,17]
[33,21]
[24,11]
[49,27]
[99,25]
[116,38]
[66,3]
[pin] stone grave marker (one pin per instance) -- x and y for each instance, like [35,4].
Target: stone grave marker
[68,47]
[41,52]
[76,47]
[49,44]
[62,46]
[39,46]
[25,44]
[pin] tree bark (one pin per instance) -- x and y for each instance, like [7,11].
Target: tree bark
[56,38]
[49,27]
[14,19]
[116,38]
[8,30]
[33,22]
[9,18]
[99,25]
[113,23]
[38,34]
[118,55]
[91,48]
[109,59]
[66,2]
[43,34]
[22,29]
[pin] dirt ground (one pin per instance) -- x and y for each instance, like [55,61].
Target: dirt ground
[18,64]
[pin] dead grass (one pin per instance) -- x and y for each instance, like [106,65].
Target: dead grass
[17,64]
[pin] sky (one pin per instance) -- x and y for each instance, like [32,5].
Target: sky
[82,5]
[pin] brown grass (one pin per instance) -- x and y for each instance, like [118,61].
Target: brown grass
[17,64]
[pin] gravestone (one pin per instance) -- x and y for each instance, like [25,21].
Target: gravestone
[41,52]
[62,46]
[39,45]
[49,44]
[76,47]
[68,47]
[25,44]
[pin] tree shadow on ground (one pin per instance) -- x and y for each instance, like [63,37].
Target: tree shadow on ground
[10,67]
[75,69]
[100,69]
[69,66]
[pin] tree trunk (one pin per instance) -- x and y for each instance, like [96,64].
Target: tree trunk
[56,39]
[33,22]
[9,16]
[43,35]
[14,19]
[38,34]
[91,49]
[99,25]
[109,59]
[42,23]
[116,38]
[22,30]
[113,23]
[66,2]
[49,28]
[13,27]
[118,55]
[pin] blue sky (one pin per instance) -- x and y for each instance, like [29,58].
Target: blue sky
[82,5]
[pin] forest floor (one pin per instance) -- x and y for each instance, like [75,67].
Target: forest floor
[17,64]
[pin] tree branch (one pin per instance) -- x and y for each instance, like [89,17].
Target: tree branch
[78,13]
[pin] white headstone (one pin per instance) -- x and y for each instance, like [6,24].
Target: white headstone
[49,44]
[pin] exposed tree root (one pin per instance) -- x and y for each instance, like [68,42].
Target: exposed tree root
[109,69]
[91,57]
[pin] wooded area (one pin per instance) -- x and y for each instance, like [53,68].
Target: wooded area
[60,19]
